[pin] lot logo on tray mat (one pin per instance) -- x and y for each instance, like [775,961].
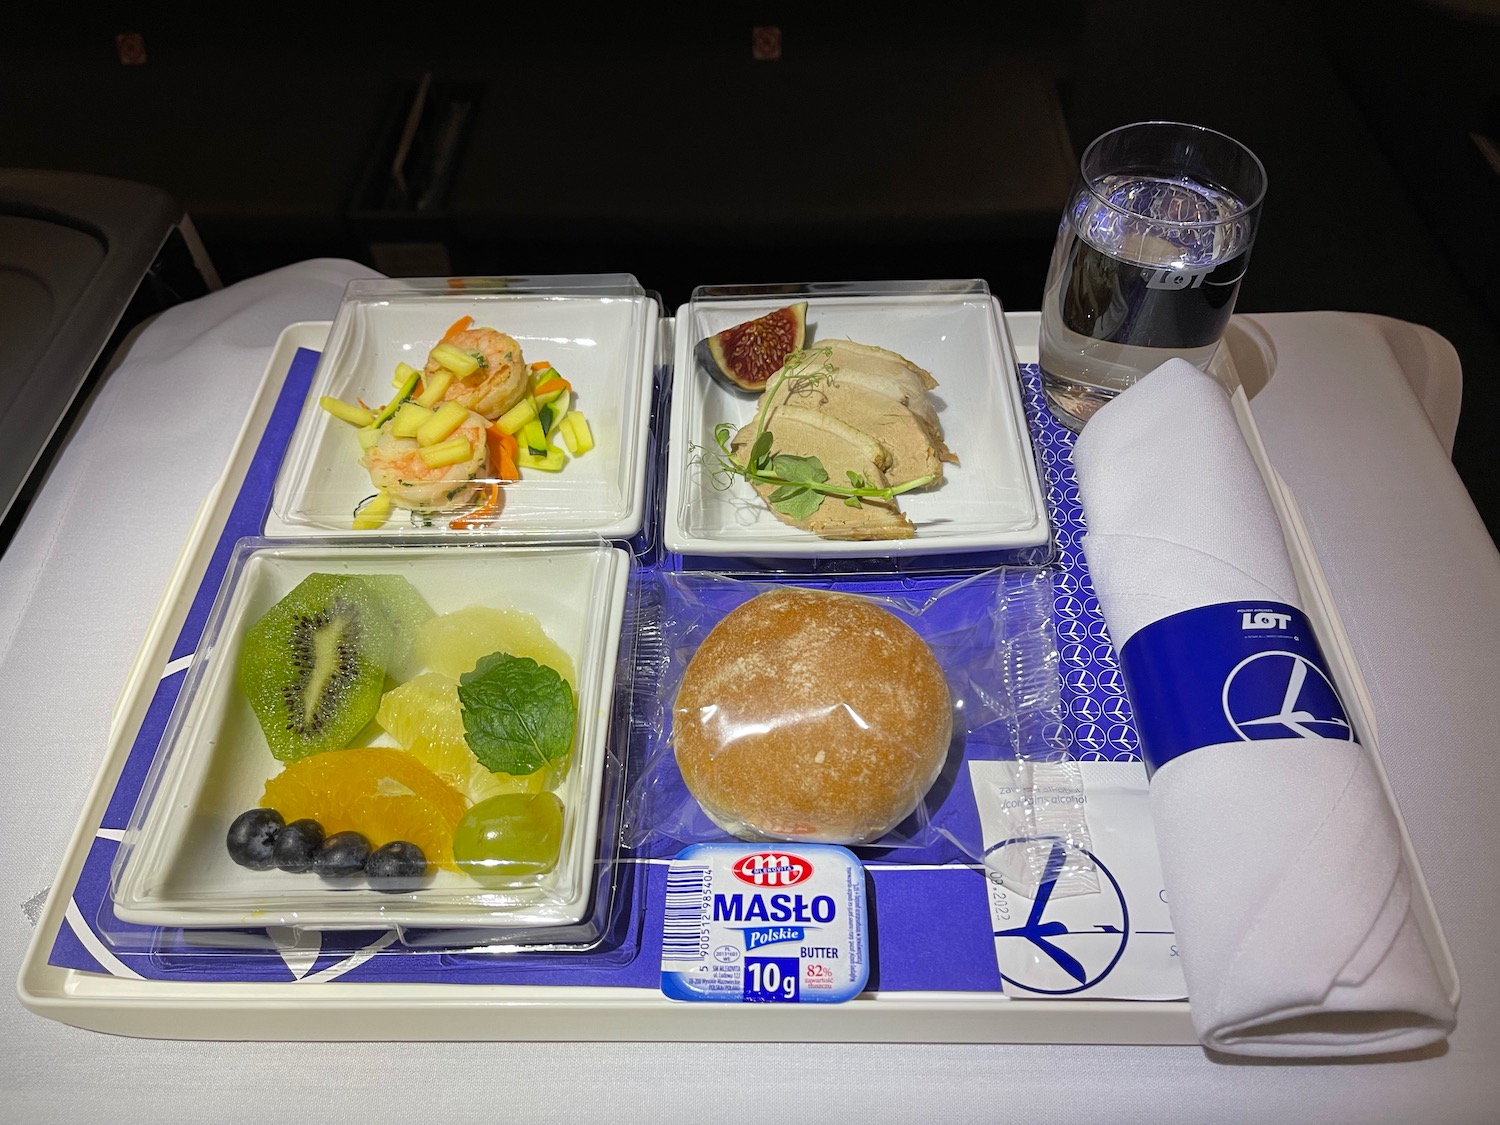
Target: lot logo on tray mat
[1058,959]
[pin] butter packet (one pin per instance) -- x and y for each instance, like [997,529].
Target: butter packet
[765,924]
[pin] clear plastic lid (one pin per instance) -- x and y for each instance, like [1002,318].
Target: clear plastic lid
[910,387]
[510,407]
[310,640]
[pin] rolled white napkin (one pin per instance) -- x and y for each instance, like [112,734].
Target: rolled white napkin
[1281,857]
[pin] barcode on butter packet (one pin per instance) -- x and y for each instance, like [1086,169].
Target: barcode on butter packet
[765,923]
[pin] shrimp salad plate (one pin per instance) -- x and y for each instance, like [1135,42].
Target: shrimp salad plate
[499,406]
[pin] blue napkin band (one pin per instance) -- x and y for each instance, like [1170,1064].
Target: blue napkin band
[1236,671]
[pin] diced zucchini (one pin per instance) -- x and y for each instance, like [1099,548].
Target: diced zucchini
[533,436]
[445,419]
[437,384]
[552,461]
[409,419]
[404,372]
[354,415]
[460,363]
[517,416]
[454,451]
[374,513]
[403,392]
[559,411]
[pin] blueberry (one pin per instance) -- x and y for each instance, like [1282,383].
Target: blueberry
[395,867]
[252,838]
[296,845]
[342,856]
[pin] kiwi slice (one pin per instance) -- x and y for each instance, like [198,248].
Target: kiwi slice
[314,666]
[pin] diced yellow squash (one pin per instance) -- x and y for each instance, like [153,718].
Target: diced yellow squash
[576,434]
[445,419]
[354,415]
[436,386]
[404,371]
[552,461]
[512,421]
[460,363]
[375,513]
[451,452]
[409,419]
[369,437]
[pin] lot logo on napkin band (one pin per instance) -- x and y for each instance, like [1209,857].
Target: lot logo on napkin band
[1227,673]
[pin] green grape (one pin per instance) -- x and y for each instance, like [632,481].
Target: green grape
[509,837]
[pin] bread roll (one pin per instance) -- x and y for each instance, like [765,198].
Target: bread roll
[811,716]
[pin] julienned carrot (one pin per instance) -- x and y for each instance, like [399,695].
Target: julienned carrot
[503,448]
[539,365]
[485,513]
[459,325]
[558,384]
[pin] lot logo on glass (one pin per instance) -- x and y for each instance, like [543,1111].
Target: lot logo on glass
[1250,619]
[773,870]
[1176,279]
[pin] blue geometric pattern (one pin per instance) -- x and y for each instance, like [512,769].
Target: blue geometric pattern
[1096,724]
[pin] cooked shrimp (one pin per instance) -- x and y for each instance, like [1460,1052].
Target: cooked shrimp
[396,465]
[501,380]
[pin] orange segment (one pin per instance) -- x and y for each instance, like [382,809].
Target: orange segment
[383,793]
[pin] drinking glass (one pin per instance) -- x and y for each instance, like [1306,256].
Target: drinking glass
[1148,260]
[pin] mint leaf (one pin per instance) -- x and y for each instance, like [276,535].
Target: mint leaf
[789,466]
[518,715]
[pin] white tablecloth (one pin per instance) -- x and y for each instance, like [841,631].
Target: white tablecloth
[1413,572]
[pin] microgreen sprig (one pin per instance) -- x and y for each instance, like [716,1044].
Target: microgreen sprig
[798,483]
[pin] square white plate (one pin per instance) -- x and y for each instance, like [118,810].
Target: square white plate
[991,500]
[173,868]
[598,331]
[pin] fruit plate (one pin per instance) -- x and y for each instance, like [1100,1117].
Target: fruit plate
[174,869]
[991,501]
[598,331]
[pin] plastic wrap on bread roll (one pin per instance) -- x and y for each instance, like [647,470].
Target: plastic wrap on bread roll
[810,715]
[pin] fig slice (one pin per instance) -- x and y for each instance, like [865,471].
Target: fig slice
[744,358]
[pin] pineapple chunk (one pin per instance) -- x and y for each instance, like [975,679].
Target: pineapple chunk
[512,421]
[432,393]
[354,415]
[454,451]
[369,437]
[576,434]
[460,363]
[375,513]
[445,419]
[409,419]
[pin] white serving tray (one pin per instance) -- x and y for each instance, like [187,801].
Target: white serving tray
[335,1010]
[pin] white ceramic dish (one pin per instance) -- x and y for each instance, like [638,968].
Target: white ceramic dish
[173,868]
[599,332]
[991,500]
